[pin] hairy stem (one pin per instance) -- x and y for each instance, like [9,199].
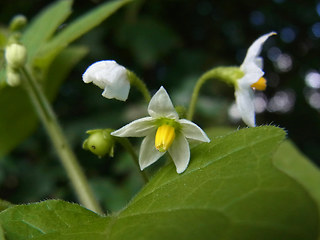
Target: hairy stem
[140,85]
[67,157]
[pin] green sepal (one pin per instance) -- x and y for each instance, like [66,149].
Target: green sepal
[229,75]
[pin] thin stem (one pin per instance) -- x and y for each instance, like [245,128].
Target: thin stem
[140,85]
[128,146]
[67,157]
[225,74]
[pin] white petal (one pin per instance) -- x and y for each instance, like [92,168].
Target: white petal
[245,104]
[138,128]
[252,75]
[193,131]
[259,62]
[118,91]
[161,106]
[255,49]
[180,153]
[148,152]
[94,73]
[109,76]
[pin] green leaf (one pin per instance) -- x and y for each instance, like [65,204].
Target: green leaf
[230,191]
[2,78]
[77,28]
[2,237]
[15,126]
[293,163]
[147,39]
[44,25]
[52,219]
[61,67]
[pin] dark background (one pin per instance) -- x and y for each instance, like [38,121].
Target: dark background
[171,43]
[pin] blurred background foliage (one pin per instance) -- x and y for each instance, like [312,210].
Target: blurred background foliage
[171,43]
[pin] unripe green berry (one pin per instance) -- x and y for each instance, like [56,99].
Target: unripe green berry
[100,142]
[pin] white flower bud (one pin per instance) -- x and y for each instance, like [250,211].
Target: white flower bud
[18,22]
[16,55]
[111,77]
[13,77]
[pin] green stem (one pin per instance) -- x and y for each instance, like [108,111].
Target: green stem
[67,157]
[140,85]
[226,74]
[128,146]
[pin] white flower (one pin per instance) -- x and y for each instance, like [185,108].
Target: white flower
[252,69]
[111,77]
[163,131]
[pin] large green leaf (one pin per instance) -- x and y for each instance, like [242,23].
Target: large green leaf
[76,29]
[44,25]
[2,237]
[289,160]
[17,117]
[231,190]
[60,68]
[43,219]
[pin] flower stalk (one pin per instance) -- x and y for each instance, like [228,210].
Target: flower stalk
[139,84]
[226,74]
[67,157]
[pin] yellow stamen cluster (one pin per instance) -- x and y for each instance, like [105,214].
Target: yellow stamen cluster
[260,85]
[164,137]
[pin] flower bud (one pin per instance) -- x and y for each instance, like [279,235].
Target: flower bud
[100,142]
[111,77]
[18,22]
[13,77]
[16,55]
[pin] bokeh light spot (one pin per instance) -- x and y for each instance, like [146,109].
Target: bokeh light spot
[284,62]
[288,35]
[282,101]
[314,99]
[312,79]
[316,29]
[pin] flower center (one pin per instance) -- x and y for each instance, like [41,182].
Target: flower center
[260,85]
[164,137]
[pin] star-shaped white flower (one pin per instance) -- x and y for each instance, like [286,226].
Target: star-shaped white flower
[163,131]
[252,69]
[111,77]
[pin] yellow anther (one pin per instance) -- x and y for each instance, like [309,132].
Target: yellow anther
[164,137]
[260,85]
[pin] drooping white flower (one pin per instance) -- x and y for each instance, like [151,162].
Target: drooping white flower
[252,79]
[111,77]
[163,131]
